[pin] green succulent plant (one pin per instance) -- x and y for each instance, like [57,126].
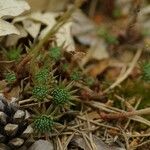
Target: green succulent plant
[10,78]
[65,66]
[76,75]
[116,13]
[43,124]
[40,92]
[42,76]
[109,38]
[55,53]
[102,32]
[145,68]
[89,81]
[62,94]
[14,54]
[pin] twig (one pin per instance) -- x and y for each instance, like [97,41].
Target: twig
[125,114]
[140,135]
[93,5]
[114,110]
[127,73]
[126,139]
[99,124]
[136,9]
[33,53]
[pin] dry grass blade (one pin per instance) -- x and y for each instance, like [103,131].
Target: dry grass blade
[127,73]
[118,113]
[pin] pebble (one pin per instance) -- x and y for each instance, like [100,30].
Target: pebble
[42,145]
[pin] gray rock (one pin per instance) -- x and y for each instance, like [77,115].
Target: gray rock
[42,145]
[11,129]
[16,142]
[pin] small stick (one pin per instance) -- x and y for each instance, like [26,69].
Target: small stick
[125,114]
[127,73]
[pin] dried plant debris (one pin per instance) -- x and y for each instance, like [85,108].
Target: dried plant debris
[76,78]
[10,8]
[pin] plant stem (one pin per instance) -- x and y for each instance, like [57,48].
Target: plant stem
[125,114]
[35,51]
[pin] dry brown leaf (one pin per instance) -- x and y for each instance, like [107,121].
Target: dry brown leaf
[9,8]
[93,115]
[2,84]
[13,7]
[83,28]
[14,93]
[50,5]
[98,68]
[97,51]
[33,28]
[33,21]
[63,36]
[7,28]
[13,39]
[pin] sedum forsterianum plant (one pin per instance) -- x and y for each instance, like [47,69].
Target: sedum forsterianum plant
[43,120]
[14,54]
[42,76]
[40,92]
[10,78]
[145,68]
[62,94]
[43,123]
[76,75]
[55,53]
[45,76]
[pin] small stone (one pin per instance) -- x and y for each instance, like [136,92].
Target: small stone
[28,131]
[17,142]
[42,144]
[11,129]
[3,117]
[19,116]
[4,147]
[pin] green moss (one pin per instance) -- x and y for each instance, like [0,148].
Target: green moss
[10,78]
[60,96]
[55,53]
[40,92]
[43,124]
